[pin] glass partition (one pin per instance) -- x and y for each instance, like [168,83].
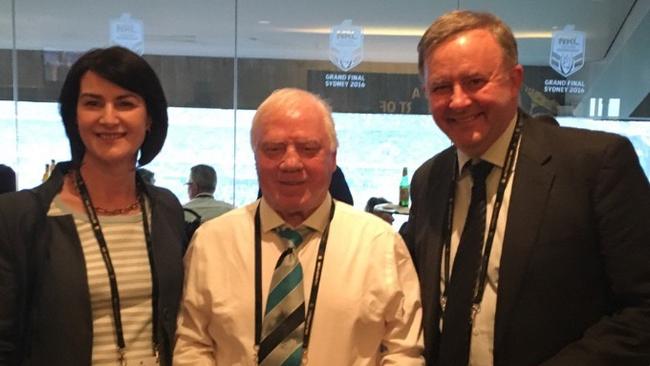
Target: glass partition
[191,48]
[7,105]
[219,60]
[362,58]
[586,67]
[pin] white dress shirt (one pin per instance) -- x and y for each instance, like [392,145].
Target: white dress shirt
[368,310]
[482,337]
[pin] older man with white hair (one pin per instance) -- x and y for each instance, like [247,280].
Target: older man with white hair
[297,277]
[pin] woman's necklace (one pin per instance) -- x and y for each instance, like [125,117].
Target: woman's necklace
[118,211]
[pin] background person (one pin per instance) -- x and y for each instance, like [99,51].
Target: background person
[200,189]
[567,280]
[370,207]
[57,297]
[366,301]
[339,188]
[7,179]
[147,175]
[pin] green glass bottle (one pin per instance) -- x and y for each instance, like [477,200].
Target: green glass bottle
[404,189]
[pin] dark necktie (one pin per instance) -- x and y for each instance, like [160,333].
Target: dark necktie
[284,317]
[457,322]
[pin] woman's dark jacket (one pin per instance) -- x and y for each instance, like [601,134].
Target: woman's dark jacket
[45,311]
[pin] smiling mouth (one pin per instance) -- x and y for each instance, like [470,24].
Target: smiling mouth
[464,119]
[292,183]
[110,136]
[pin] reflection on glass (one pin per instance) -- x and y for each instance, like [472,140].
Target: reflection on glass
[381,116]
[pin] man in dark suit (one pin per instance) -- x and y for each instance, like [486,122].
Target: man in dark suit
[562,272]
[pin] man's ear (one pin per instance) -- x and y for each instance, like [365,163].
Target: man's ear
[517,77]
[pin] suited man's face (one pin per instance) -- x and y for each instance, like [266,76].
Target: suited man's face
[472,91]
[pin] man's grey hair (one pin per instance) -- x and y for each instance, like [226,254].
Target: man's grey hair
[205,178]
[289,98]
[457,21]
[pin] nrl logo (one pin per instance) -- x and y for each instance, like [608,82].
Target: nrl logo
[127,32]
[567,51]
[346,45]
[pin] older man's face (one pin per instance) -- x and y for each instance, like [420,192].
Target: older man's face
[295,160]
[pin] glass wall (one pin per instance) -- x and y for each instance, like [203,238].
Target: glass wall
[219,59]
[191,47]
[7,105]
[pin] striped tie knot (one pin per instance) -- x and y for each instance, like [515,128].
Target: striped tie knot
[293,237]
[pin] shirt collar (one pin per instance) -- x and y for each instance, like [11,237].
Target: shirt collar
[495,154]
[204,195]
[316,221]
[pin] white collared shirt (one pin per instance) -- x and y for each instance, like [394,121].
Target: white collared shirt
[368,310]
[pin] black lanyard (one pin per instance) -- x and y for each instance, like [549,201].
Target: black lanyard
[479,288]
[115,295]
[311,307]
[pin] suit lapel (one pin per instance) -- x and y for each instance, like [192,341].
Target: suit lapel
[429,252]
[532,183]
[439,191]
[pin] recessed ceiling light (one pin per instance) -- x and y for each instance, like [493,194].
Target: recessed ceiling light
[264,22]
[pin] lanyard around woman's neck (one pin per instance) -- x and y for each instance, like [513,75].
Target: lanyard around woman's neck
[115,295]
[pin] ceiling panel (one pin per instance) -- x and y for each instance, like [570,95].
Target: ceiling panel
[295,29]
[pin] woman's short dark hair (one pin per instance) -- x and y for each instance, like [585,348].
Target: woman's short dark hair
[129,71]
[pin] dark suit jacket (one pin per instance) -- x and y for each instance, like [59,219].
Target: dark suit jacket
[45,311]
[574,278]
[339,187]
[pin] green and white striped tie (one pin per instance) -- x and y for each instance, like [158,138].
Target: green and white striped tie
[284,318]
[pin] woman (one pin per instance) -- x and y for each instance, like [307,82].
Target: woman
[90,261]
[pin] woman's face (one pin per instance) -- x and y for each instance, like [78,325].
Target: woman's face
[112,121]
